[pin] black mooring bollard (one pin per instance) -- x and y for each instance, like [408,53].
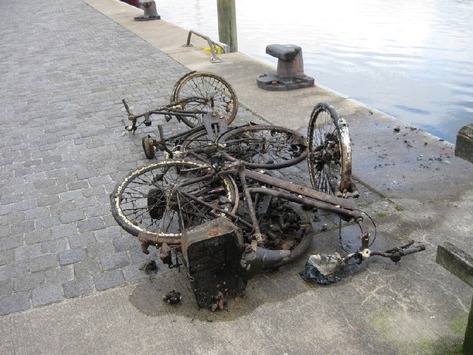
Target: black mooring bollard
[290,71]
[149,8]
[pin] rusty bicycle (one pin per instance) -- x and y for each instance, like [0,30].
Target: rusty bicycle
[229,221]
[195,94]
[258,146]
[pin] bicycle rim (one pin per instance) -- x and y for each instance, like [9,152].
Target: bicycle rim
[212,93]
[264,146]
[146,201]
[329,158]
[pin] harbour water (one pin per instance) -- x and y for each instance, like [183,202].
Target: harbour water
[412,59]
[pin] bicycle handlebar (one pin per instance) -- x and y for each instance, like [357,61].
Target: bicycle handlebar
[131,117]
[126,107]
[394,254]
[173,109]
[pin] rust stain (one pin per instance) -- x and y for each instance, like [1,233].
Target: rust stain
[214,232]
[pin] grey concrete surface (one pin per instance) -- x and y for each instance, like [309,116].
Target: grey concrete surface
[69,276]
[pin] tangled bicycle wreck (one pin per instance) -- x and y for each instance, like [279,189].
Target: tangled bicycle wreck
[213,205]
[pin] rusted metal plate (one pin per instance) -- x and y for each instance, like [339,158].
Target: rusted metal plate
[212,254]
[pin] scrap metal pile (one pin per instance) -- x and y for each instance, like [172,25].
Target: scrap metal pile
[210,202]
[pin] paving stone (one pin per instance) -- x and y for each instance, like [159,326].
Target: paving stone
[125,243]
[64,230]
[13,242]
[12,270]
[37,213]
[55,190]
[23,227]
[114,261]
[96,191]
[109,279]
[132,274]
[82,240]
[47,200]
[27,251]
[59,275]
[70,196]
[47,222]
[5,230]
[83,202]
[91,224]
[5,209]
[109,221]
[138,257]
[62,207]
[100,180]
[25,205]
[45,183]
[110,234]
[72,256]
[71,216]
[97,211]
[87,268]
[78,185]
[99,249]
[77,288]
[16,302]
[7,257]
[46,295]
[28,282]
[43,262]
[54,246]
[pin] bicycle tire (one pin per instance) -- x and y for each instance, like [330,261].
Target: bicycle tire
[330,156]
[217,93]
[195,145]
[148,147]
[285,226]
[264,146]
[145,201]
[295,240]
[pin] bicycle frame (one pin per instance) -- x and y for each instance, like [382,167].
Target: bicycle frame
[344,208]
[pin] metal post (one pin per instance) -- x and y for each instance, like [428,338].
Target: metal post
[227,28]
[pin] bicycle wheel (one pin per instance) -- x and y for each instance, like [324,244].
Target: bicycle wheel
[148,147]
[211,92]
[151,199]
[329,158]
[265,147]
[198,146]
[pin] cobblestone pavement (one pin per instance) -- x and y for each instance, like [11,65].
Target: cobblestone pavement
[65,69]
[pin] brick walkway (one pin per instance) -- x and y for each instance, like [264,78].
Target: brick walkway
[65,69]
